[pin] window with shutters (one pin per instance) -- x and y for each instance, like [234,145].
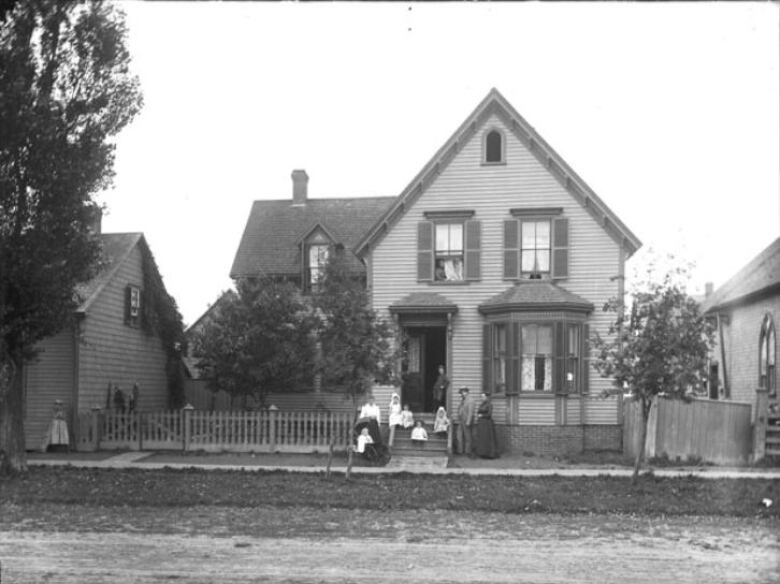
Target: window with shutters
[133,305]
[536,245]
[448,247]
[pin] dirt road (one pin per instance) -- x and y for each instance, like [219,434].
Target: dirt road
[226,545]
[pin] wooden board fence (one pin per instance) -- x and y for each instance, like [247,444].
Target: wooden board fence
[225,431]
[713,431]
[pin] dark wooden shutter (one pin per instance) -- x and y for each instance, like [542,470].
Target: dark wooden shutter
[425,251]
[585,359]
[472,245]
[513,357]
[511,249]
[487,358]
[560,257]
[559,358]
[127,304]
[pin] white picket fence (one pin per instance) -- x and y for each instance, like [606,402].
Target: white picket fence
[225,431]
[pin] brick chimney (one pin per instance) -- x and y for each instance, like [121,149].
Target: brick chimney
[300,186]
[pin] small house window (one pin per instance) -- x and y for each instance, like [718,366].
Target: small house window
[132,305]
[449,252]
[494,148]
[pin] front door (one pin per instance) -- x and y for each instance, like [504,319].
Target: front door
[426,349]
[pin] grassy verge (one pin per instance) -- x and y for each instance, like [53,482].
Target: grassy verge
[191,487]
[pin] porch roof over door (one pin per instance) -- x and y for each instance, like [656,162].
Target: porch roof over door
[423,303]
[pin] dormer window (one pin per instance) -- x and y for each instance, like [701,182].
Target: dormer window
[494,147]
[316,259]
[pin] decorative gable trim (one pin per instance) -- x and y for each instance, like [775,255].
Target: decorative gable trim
[495,103]
[312,230]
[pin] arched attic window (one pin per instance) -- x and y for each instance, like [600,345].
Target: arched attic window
[494,147]
[766,357]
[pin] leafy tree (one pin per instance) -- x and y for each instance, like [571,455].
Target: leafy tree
[656,346]
[356,345]
[66,90]
[261,339]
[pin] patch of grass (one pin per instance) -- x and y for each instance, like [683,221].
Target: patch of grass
[651,495]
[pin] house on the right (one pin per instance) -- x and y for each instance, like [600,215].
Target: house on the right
[743,365]
[494,262]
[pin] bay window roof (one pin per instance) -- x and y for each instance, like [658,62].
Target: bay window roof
[535,295]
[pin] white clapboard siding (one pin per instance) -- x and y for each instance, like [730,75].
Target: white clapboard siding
[49,377]
[491,191]
[602,410]
[536,412]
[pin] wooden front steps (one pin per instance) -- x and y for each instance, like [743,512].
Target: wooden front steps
[434,447]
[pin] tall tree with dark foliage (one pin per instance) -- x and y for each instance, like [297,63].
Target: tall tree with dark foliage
[65,90]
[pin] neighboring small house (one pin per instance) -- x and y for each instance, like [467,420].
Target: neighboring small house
[746,309]
[491,262]
[107,343]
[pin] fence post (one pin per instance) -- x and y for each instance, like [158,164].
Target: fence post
[94,422]
[187,423]
[759,425]
[272,428]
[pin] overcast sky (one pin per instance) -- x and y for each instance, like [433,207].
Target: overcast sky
[668,111]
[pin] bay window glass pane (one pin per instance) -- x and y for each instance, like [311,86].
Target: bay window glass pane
[544,342]
[771,347]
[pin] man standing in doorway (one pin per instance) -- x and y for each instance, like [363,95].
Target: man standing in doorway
[466,415]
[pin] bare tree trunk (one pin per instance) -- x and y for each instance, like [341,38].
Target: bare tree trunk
[641,451]
[13,457]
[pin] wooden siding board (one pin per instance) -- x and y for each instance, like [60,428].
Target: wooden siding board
[491,191]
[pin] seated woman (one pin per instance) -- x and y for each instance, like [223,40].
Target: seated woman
[370,417]
[441,423]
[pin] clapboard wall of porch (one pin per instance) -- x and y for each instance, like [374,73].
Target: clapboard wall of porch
[490,191]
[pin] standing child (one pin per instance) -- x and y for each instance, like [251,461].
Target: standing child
[395,418]
[407,418]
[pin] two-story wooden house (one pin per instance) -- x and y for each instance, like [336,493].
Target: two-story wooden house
[106,346]
[494,261]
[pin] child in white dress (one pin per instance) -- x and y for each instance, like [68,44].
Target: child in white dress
[394,417]
[407,418]
[418,433]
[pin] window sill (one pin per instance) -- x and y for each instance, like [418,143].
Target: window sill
[449,283]
[536,394]
[500,163]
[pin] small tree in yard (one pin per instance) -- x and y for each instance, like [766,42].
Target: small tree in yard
[656,346]
[356,345]
[65,90]
[261,339]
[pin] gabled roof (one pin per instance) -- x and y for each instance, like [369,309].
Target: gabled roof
[760,275]
[115,248]
[270,243]
[535,295]
[495,103]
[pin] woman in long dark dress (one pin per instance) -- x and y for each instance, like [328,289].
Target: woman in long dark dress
[485,444]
